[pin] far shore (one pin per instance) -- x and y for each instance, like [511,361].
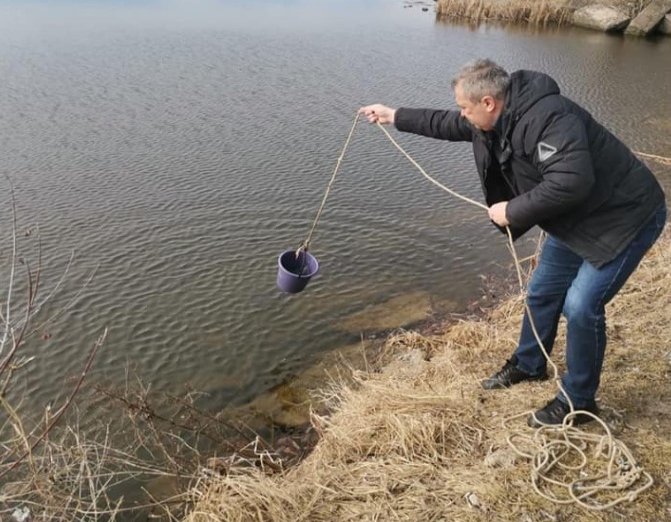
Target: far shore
[631,17]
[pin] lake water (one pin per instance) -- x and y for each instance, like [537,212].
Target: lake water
[180,146]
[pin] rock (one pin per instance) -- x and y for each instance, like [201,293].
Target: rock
[414,356]
[398,312]
[21,514]
[600,17]
[648,19]
[503,458]
[473,500]
[425,8]
[665,26]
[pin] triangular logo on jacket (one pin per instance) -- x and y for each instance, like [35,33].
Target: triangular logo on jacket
[545,151]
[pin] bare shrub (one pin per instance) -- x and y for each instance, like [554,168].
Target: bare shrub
[69,462]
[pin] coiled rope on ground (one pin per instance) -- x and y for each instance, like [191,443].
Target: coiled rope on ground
[612,468]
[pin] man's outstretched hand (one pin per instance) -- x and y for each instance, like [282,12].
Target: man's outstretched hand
[378,113]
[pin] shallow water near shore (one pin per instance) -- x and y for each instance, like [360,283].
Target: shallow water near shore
[180,147]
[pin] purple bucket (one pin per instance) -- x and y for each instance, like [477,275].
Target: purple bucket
[294,273]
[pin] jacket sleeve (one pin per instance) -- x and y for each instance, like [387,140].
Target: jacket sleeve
[442,125]
[560,152]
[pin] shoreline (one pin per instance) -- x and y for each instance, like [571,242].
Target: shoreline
[424,417]
[283,415]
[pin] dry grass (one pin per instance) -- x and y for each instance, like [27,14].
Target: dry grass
[421,440]
[535,12]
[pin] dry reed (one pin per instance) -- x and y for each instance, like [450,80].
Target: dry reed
[534,12]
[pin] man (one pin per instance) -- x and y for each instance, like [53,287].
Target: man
[543,160]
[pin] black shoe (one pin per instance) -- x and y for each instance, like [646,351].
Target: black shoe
[510,374]
[554,412]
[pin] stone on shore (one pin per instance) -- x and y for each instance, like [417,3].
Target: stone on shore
[600,17]
[648,19]
[665,26]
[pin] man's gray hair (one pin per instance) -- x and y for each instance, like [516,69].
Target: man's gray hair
[481,78]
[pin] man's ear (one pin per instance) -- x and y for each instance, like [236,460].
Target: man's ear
[489,102]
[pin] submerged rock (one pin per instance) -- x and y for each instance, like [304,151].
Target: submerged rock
[398,312]
[600,17]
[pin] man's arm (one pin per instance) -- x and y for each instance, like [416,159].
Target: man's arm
[442,125]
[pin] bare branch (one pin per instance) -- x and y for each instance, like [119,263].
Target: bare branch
[63,408]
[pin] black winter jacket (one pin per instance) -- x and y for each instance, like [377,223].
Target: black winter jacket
[555,165]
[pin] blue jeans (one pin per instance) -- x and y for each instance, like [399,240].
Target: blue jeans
[564,283]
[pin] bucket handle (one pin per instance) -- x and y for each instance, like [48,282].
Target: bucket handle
[299,250]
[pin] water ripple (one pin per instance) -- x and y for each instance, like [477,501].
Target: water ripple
[180,158]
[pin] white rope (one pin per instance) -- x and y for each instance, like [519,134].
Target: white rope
[661,159]
[305,245]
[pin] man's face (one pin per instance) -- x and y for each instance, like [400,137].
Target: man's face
[481,114]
